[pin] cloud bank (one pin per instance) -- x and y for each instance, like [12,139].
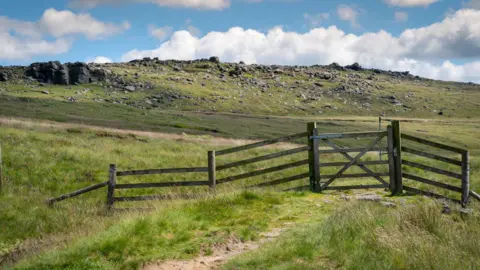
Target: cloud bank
[24,39]
[423,51]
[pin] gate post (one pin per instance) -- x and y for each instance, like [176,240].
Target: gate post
[313,157]
[391,165]
[112,181]
[212,181]
[397,158]
[465,178]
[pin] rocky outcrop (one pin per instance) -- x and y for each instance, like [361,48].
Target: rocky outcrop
[355,66]
[3,77]
[70,73]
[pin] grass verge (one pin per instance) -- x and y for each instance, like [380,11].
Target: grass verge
[371,236]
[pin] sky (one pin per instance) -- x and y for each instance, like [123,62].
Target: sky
[438,39]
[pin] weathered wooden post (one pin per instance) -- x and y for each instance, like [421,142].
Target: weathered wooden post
[112,181]
[380,129]
[465,178]
[212,181]
[391,165]
[313,157]
[397,157]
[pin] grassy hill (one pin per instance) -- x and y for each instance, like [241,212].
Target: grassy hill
[176,96]
[153,114]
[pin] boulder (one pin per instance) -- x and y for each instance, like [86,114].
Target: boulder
[54,72]
[336,66]
[3,77]
[355,66]
[79,73]
[214,59]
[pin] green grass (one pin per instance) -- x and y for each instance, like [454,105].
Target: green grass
[176,232]
[371,236]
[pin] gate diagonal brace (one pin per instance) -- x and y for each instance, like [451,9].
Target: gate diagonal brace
[353,161]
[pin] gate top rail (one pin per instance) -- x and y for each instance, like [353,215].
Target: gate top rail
[349,135]
[433,144]
[259,144]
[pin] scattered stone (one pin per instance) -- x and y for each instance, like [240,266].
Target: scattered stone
[45,92]
[466,211]
[369,197]
[130,88]
[389,204]
[446,209]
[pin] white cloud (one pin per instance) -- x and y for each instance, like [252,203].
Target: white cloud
[100,60]
[314,20]
[17,48]
[401,16]
[417,50]
[195,4]
[410,3]
[348,13]
[160,33]
[61,23]
[25,39]
[475,4]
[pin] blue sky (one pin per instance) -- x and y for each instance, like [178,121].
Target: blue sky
[127,32]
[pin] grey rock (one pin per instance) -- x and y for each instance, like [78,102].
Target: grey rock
[46,92]
[130,88]
[389,204]
[355,66]
[3,77]
[214,59]
[466,211]
[446,209]
[71,73]
[369,197]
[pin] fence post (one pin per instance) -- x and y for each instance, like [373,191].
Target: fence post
[112,181]
[397,158]
[380,129]
[212,181]
[465,178]
[313,157]
[391,165]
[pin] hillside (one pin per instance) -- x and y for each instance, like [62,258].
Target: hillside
[61,125]
[150,86]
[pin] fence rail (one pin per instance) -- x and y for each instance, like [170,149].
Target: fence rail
[263,171]
[433,144]
[262,158]
[260,144]
[162,171]
[76,193]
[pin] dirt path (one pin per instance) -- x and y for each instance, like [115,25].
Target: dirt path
[221,254]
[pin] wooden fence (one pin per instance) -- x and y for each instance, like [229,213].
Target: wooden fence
[394,170]
[463,163]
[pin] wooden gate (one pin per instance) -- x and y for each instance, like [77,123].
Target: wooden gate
[323,144]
